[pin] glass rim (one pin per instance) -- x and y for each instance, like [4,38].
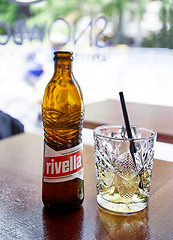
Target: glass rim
[154,133]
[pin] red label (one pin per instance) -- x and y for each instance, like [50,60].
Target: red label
[60,166]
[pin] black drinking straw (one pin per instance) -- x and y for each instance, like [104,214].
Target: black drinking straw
[129,134]
[127,123]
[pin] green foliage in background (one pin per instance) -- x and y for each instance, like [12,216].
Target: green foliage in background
[45,12]
[49,10]
[114,11]
[9,11]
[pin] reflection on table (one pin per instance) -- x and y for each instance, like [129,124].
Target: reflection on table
[22,215]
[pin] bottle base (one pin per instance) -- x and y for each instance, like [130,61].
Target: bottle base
[61,206]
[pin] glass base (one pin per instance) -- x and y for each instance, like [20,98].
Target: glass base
[122,208]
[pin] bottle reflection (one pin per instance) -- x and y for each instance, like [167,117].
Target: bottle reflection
[59,226]
[134,226]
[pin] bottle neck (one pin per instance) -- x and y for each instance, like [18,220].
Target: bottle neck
[63,67]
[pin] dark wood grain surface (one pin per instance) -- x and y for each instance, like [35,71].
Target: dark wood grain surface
[22,215]
[159,118]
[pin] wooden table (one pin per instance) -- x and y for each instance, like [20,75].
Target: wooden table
[22,215]
[159,118]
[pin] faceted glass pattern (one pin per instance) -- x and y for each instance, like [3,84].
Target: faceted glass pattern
[123,177]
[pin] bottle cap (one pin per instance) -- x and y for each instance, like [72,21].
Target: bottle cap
[63,55]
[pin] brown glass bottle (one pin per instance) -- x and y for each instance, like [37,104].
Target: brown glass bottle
[62,113]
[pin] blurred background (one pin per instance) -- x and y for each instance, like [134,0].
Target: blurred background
[118,45]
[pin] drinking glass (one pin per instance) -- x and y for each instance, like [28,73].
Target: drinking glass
[123,167]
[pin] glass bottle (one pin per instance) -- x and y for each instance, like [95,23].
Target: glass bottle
[62,113]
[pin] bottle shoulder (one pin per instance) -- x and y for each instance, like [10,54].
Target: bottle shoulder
[59,94]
